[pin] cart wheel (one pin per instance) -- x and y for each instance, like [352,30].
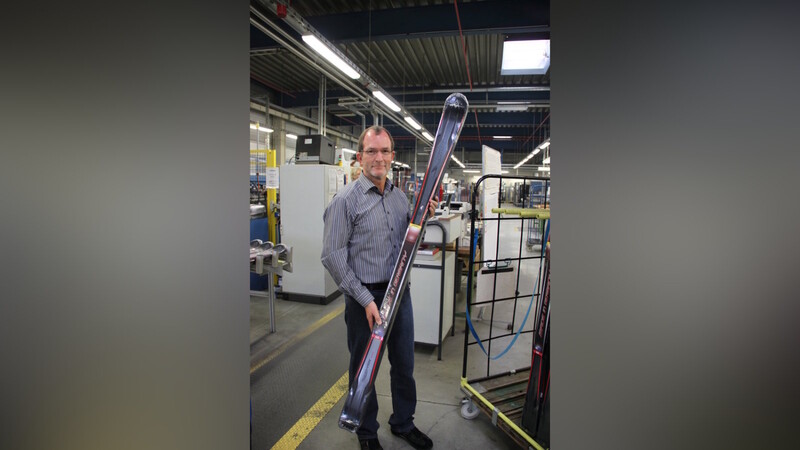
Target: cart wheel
[469,410]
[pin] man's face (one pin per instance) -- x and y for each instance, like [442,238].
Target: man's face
[376,158]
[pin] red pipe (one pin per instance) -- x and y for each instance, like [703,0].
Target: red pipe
[463,46]
[537,128]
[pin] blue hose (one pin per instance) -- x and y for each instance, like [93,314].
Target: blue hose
[516,335]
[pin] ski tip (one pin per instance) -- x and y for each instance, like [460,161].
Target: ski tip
[456,100]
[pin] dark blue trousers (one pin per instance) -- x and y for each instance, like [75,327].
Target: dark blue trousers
[400,346]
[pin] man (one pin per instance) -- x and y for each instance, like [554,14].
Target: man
[365,224]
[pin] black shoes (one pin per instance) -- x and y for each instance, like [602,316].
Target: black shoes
[370,444]
[416,438]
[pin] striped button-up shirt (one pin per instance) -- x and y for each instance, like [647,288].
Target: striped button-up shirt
[364,231]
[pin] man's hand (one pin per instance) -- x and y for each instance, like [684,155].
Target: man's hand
[432,205]
[373,316]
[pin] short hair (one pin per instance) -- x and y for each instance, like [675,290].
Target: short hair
[377,129]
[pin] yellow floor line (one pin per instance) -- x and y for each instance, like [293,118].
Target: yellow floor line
[327,318]
[313,416]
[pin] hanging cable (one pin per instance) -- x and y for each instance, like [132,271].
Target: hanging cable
[537,128]
[463,46]
[475,113]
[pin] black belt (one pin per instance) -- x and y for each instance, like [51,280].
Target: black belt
[376,286]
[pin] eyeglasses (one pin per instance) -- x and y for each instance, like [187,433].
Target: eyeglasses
[372,152]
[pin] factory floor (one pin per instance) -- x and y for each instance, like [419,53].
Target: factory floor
[298,374]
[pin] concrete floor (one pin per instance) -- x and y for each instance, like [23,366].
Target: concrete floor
[301,365]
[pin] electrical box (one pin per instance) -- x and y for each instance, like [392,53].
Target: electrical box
[315,149]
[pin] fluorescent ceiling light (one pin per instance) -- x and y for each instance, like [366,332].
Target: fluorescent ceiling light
[291,136]
[511,108]
[257,127]
[544,168]
[427,135]
[457,161]
[326,53]
[525,57]
[471,171]
[531,155]
[501,137]
[386,101]
[544,144]
[503,171]
[546,160]
[347,150]
[413,123]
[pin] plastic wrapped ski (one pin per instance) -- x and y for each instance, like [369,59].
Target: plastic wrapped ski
[450,125]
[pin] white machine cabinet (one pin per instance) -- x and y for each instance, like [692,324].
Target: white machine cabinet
[306,189]
[431,304]
[426,277]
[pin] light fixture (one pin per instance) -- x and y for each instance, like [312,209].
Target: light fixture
[257,127]
[347,150]
[291,136]
[526,57]
[471,171]
[328,54]
[457,161]
[427,135]
[544,168]
[413,122]
[523,161]
[544,144]
[546,160]
[503,171]
[386,101]
[511,108]
[530,155]
[501,137]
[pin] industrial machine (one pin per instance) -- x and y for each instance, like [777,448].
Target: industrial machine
[315,149]
[306,190]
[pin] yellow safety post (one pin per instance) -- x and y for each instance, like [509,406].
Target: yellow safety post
[272,199]
[272,196]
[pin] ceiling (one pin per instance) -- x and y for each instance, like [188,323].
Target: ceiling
[418,51]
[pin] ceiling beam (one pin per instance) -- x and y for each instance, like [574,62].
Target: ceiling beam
[414,98]
[487,17]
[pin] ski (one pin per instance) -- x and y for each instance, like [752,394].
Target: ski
[539,381]
[450,125]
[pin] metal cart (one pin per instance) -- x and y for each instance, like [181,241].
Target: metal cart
[538,198]
[500,393]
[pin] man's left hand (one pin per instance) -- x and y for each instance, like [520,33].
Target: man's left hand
[432,205]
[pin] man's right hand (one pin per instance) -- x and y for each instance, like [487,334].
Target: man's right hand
[373,315]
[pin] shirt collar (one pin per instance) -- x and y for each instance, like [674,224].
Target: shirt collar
[365,184]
